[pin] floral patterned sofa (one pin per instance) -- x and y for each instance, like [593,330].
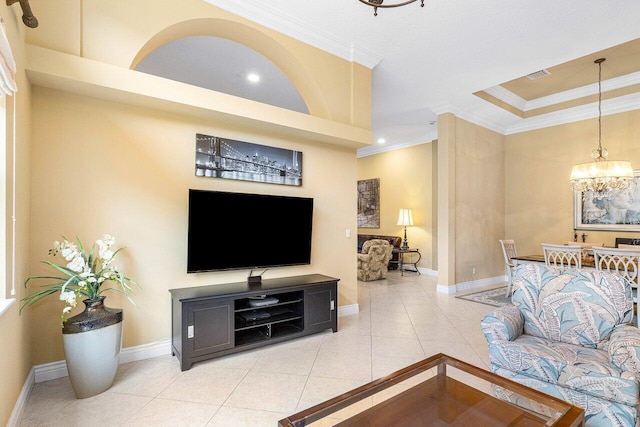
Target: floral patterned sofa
[373,261]
[568,334]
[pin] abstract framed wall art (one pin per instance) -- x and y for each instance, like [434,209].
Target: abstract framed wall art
[616,210]
[369,203]
[218,157]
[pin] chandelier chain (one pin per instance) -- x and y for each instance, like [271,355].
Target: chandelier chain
[600,61]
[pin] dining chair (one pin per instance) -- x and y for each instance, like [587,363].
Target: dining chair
[562,255]
[623,261]
[509,251]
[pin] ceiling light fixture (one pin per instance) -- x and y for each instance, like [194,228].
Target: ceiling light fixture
[379,3]
[381,140]
[601,175]
[253,77]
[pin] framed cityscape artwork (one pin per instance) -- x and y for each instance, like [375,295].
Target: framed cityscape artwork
[369,203]
[218,157]
[616,210]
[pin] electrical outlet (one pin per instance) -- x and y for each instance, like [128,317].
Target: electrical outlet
[348,233]
[473,270]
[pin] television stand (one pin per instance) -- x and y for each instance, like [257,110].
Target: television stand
[216,320]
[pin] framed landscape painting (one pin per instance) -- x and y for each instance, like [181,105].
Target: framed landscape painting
[616,210]
[369,203]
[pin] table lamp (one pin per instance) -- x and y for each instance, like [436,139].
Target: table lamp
[405,218]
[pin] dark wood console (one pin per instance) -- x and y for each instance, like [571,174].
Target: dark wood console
[213,321]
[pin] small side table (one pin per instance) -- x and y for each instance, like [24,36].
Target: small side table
[401,253]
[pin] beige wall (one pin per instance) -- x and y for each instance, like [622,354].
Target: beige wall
[103,167]
[406,179]
[539,198]
[122,32]
[479,202]
[471,201]
[15,359]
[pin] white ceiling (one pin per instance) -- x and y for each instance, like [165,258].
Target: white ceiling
[223,65]
[431,60]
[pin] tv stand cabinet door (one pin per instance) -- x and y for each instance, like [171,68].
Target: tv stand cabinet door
[320,308]
[208,327]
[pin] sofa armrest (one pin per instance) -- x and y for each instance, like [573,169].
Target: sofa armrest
[502,324]
[624,348]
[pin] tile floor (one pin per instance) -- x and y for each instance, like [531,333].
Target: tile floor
[402,320]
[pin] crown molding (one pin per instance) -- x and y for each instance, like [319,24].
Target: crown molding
[287,25]
[616,105]
[473,118]
[507,96]
[521,104]
[588,111]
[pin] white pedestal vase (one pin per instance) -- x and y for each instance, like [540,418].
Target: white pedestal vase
[92,342]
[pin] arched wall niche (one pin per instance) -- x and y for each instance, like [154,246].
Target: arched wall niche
[290,65]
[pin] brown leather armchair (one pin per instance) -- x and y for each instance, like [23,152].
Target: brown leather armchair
[373,261]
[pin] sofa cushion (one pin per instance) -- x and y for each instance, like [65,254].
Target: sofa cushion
[586,370]
[571,306]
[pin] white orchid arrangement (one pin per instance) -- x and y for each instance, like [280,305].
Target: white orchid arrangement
[83,275]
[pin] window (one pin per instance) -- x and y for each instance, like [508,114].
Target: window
[5,302]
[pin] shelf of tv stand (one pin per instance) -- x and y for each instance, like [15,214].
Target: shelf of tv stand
[208,322]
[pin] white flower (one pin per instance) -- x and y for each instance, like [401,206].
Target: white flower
[103,248]
[77,264]
[69,297]
[69,253]
[106,255]
[108,239]
[66,309]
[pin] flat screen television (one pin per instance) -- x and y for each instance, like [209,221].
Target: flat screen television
[244,231]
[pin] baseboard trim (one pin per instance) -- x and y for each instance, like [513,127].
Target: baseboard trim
[348,310]
[466,286]
[23,398]
[473,284]
[53,370]
[145,351]
[444,289]
[428,271]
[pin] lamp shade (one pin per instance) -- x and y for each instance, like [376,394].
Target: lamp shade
[602,176]
[602,169]
[405,217]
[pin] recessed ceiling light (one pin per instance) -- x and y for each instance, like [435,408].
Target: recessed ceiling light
[381,140]
[253,77]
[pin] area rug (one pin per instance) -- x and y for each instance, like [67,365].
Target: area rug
[495,297]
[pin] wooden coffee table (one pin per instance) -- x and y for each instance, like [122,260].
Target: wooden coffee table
[440,391]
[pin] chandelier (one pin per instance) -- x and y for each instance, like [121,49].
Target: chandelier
[378,3]
[601,175]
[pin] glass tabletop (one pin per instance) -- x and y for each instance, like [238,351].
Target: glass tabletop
[440,391]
